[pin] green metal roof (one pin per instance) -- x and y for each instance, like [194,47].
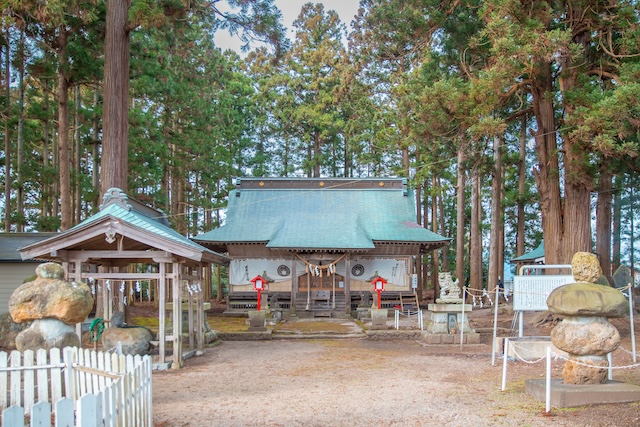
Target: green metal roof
[141,221]
[531,255]
[321,218]
[117,206]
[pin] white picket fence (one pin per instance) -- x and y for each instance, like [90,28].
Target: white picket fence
[87,388]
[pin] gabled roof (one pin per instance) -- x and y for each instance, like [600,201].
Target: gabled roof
[123,224]
[532,255]
[321,214]
[11,242]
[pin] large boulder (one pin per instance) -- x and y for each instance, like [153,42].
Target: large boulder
[133,339]
[584,336]
[587,299]
[9,330]
[622,277]
[586,267]
[47,334]
[51,297]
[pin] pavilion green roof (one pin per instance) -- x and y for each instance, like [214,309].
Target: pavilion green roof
[316,214]
[531,255]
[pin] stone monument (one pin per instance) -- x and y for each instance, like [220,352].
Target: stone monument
[133,340]
[446,318]
[53,305]
[585,332]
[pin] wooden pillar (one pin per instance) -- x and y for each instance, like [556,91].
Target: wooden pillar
[294,286]
[78,278]
[201,273]
[347,285]
[176,279]
[161,295]
[190,312]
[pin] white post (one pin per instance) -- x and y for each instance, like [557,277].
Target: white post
[521,324]
[504,363]
[610,360]
[462,320]
[633,334]
[396,319]
[420,319]
[495,334]
[548,381]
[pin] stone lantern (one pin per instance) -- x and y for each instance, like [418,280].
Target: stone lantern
[585,332]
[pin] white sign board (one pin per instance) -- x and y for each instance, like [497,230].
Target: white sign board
[530,293]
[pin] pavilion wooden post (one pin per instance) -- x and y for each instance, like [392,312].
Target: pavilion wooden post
[176,279]
[294,286]
[77,277]
[200,272]
[162,292]
[347,285]
[190,313]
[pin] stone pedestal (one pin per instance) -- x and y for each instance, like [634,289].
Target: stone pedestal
[447,319]
[379,318]
[257,321]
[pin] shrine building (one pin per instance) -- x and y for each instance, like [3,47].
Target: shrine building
[317,244]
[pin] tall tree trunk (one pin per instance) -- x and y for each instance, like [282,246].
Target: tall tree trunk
[316,154]
[460,226]
[603,221]
[578,182]
[63,134]
[547,173]
[475,241]
[114,170]
[434,228]
[496,215]
[95,164]
[46,208]
[77,190]
[445,256]
[617,228]
[20,158]
[522,179]
[7,137]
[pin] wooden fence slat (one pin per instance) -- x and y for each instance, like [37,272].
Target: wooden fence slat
[65,416]
[87,412]
[29,381]
[111,400]
[56,375]
[13,416]
[95,378]
[43,380]
[3,381]
[16,379]
[69,356]
[41,415]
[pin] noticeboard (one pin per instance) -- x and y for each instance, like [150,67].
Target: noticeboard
[530,293]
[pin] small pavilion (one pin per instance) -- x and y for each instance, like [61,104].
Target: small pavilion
[125,247]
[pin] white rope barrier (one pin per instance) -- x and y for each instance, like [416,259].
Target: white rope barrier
[409,313]
[549,354]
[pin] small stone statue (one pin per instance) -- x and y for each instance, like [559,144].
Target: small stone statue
[449,289]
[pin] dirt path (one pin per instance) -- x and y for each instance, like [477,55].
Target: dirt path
[362,383]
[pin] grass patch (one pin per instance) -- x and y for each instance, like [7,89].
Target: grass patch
[311,327]
[228,324]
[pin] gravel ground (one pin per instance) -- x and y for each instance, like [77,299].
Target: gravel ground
[360,382]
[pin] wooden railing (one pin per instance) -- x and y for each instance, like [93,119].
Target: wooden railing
[92,388]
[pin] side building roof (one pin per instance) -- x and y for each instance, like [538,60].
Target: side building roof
[532,255]
[321,214]
[122,224]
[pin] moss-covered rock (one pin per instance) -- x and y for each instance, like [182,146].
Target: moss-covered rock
[587,299]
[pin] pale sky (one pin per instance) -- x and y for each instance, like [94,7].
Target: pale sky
[346,9]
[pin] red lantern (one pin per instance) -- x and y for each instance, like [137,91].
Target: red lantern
[378,286]
[259,285]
